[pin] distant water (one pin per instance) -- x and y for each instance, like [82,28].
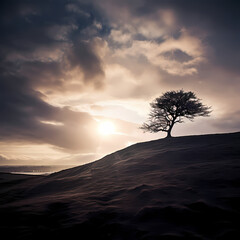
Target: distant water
[34,170]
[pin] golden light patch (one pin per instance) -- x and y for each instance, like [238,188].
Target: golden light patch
[106,128]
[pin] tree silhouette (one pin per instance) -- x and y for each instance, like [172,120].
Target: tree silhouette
[171,108]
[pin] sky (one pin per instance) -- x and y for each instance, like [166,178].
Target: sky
[77,77]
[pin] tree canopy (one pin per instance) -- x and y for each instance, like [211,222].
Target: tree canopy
[172,107]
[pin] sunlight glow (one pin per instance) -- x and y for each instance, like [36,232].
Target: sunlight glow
[106,128]
[52,123]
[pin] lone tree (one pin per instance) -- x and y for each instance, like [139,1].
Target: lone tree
[171,108]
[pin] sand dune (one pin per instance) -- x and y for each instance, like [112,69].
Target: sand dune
[179,188]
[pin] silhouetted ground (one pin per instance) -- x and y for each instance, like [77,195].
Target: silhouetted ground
[179,188]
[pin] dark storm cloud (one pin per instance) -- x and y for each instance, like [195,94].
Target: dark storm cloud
[90,63]
[177,55]
[41,42]
[46,31]
[25,117]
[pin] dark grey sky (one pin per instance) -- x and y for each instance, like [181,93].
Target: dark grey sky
[67,65]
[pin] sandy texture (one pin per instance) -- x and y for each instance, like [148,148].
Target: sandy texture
[179,188]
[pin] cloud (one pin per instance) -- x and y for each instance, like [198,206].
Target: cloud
[24,115]
[205,34]
[4,160]
[230,122]
[216,21]
[155,54]
[83,57]
[43,50]
[54,40]
[59,58]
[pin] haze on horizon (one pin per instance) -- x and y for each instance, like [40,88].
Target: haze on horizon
[77,76]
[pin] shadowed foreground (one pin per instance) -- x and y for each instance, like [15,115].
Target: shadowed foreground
[177,188]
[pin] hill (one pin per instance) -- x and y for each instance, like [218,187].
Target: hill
[177,188]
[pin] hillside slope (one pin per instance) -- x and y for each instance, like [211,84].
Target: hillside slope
[179,188]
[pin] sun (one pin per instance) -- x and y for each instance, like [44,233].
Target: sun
[106,128]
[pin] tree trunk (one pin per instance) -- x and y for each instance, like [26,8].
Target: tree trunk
[169,134]
[169,130]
